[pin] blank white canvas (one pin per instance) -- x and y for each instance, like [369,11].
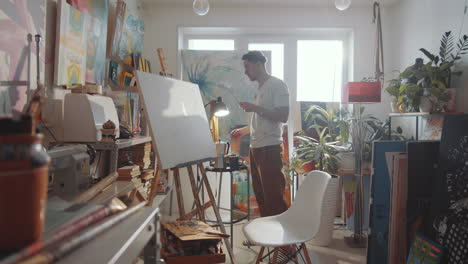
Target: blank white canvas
[177,119]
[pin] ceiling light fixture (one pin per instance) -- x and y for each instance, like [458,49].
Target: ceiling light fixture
[342,4]
[201,7]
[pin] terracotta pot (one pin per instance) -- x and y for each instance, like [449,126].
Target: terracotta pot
[23,190]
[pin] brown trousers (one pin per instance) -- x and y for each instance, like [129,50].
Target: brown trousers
[268,179]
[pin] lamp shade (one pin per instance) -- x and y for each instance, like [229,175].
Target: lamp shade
[361,93]
[220,108]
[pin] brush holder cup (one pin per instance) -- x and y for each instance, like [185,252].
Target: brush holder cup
[23,190]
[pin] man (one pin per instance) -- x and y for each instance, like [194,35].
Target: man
[269,111]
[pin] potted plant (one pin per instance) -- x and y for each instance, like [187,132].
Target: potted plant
[440,69]
[393,89]
[423,86]
[323,152]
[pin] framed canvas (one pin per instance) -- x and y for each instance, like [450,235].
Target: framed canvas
[70,66]
[98,12]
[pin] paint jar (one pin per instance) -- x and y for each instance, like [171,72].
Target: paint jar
[23,190]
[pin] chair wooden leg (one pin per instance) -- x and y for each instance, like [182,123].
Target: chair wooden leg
[306,253]
[275,256]
[260,255]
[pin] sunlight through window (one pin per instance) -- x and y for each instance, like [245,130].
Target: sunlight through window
[319,70]
[277,56]
[211,44]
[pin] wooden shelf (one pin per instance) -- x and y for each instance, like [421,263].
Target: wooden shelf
[121,143]
[421,114]
[132,89]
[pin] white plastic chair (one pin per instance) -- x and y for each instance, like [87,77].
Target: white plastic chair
[299,224]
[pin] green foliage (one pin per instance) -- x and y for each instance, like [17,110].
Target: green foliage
[430,79]
[443,63]
[393,87]
[335,123]
[322,151]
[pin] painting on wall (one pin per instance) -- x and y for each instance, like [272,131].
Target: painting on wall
[18,19]
[221,73]
[97,12]
[71,45]
[128,34]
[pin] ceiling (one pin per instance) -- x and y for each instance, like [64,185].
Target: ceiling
[265,3]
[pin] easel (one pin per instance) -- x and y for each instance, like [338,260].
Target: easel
[162,61]
[199,207]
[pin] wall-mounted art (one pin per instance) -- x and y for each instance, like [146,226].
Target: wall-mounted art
[17,54]
[70,55]
[97,11]
[221,73]
[128,33]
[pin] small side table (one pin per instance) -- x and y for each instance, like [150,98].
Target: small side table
[228,169]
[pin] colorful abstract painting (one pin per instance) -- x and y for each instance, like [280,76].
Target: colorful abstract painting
[128,34]
[97,12]
[221,73]
[424,251]
[19,18]
[71,45]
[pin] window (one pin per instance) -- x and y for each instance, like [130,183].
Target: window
[211,44]
[319,70]
[277,56]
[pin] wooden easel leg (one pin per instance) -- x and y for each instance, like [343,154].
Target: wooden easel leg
[306,253]
[196,198]
[260,255]
[154,186]
[180,199]
[227,242]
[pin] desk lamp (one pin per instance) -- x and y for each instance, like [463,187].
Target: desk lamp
[359,93]
[217,109]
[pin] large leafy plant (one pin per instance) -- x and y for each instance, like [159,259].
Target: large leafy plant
[429,79]
[336,122]
[322,151]
[442,65]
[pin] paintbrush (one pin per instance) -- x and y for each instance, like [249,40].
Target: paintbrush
[61,234]
[56,253]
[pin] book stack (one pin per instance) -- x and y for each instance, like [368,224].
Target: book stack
[130,173]
[139,155]
[147,176]
[142,155]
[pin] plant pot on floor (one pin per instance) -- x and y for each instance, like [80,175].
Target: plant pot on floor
[327,219]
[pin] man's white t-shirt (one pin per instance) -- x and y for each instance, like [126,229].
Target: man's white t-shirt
[272,94]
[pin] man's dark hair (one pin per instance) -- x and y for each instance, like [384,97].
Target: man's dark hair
[254,57]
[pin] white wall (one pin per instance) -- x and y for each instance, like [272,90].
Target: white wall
[162,22]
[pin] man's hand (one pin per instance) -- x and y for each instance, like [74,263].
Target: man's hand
[240,131]
[248,107]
